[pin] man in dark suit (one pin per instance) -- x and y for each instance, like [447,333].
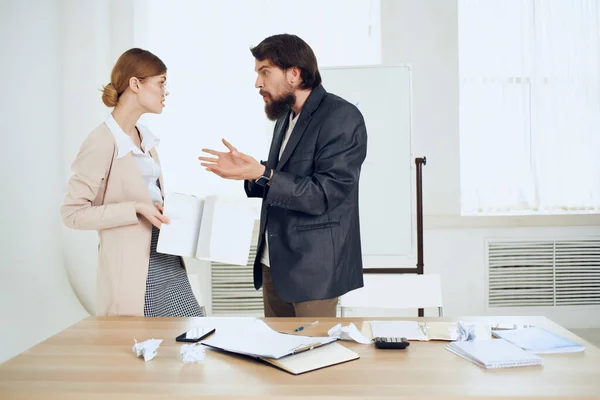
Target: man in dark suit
[309,250]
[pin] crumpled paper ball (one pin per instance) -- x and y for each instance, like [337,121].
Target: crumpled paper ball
[192,353]
[349,332]
[147,349]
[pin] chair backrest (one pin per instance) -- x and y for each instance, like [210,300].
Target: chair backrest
[396,291]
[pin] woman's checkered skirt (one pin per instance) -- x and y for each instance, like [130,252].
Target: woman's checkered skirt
[168,290]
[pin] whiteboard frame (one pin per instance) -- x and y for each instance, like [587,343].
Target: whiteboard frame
[400,263]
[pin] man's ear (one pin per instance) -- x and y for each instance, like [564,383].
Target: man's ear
[294,76]
[134,84]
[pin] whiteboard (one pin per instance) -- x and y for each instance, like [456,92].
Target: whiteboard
[387,183]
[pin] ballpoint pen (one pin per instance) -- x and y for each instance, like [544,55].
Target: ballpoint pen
[298,329]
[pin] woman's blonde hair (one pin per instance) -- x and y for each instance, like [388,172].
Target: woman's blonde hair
[134,62]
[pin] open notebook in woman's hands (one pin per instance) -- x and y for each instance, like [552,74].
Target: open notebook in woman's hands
[217,228]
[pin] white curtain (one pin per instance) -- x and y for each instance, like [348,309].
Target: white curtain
[205,45]
[529,106]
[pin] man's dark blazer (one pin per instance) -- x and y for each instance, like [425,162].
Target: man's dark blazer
[311,204]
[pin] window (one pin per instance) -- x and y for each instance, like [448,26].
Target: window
[529,106]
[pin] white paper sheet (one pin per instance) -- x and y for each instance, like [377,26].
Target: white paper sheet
[540,341]
[180,236]
[257,339]
[226,230]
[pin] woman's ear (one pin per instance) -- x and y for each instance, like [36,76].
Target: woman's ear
[134,84]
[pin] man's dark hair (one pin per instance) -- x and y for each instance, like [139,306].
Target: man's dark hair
[287,51]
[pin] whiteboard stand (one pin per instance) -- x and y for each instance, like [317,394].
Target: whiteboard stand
[419,162]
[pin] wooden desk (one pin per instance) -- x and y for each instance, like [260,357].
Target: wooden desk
[93,359]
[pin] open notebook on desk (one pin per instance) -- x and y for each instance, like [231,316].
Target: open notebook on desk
[424,330]
[293,353]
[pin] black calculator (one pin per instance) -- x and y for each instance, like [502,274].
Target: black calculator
[391,343]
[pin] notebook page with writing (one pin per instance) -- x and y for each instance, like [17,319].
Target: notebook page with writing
[497,353]
[539,341]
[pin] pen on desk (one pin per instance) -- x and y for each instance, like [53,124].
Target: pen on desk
[298,329]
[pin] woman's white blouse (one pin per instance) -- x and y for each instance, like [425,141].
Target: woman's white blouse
[149,169]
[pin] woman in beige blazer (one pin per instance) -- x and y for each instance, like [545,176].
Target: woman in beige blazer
[117,189]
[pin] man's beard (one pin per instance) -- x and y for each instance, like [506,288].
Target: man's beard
[277,108]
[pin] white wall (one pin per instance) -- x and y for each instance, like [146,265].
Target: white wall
[425,35]
[36,299]
[85,45]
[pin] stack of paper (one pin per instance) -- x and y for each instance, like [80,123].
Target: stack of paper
[539,340]
[495,353]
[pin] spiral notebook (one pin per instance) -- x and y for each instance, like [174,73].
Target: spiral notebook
[495,353]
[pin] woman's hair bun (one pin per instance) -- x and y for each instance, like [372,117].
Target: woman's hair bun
[110,97]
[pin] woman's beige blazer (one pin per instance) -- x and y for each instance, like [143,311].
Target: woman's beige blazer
[105,202]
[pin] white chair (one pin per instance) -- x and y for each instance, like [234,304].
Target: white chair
[396,291]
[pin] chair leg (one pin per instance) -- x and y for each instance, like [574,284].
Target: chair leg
[342,312]
[440,312]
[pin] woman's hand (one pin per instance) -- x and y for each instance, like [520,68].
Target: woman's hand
[152,213]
